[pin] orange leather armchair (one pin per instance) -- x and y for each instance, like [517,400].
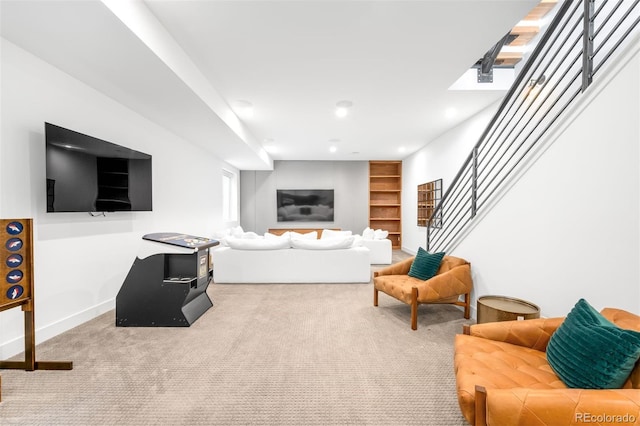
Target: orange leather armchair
[452,280]
[503,378]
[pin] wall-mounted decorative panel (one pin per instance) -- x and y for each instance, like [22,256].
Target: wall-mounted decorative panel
[429,195]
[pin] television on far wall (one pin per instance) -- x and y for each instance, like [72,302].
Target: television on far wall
[305,205]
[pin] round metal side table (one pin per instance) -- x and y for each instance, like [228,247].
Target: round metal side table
[503,308]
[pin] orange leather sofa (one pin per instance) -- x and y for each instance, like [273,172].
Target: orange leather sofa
[452,280]
[503,378]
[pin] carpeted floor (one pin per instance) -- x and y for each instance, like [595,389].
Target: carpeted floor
[265,354]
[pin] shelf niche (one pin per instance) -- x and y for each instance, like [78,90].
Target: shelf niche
[385,199]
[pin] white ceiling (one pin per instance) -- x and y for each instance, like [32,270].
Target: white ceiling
[185,64]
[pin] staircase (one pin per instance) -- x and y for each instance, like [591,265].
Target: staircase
[582,38]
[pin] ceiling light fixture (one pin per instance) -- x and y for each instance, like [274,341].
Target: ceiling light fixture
[538,81]
[244,108]
[342,108]
[333,149]
[269,146]
[534,86]
[450,112]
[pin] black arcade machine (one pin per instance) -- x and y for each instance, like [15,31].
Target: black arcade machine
[167,284]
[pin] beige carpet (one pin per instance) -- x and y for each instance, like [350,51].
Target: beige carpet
[265,354]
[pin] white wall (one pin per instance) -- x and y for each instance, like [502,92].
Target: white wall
[348,179]
[81,261]
[569,228]
[440,159]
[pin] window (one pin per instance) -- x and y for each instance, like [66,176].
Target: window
[229,196]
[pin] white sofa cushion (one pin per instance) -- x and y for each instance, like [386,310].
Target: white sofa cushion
[323,244]
[330,233]
[258,244]
[308,236]
[250,235]
[233,233]
[270,236]
[379,234]
[368,233]
[236,231]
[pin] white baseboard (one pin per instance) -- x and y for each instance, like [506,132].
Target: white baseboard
[44,333]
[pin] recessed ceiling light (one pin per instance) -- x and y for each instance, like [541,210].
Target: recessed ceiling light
[269,146]
[450,112]
[332,149]
[342,108]
[243,108]
[402,149]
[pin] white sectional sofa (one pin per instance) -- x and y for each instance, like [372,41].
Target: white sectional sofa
[291,265]
[288,256]
[380,251]
[380,247]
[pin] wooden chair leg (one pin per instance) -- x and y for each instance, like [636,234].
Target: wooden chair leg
[414,308]
[375,296]
[480,400]
[467,305]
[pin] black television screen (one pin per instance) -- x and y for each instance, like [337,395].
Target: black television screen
[305,205]
[86,174]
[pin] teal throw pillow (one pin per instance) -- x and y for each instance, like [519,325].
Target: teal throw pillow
[425,265]
[588,351]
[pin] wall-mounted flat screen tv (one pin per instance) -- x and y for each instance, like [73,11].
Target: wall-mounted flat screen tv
[305,205]
[87,174]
